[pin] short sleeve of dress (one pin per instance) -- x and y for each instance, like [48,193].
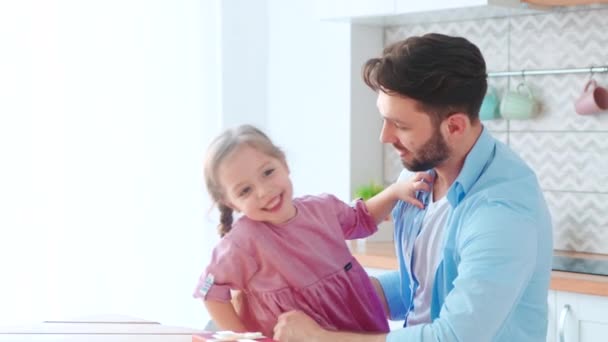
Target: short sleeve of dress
[355,220]
[230,268]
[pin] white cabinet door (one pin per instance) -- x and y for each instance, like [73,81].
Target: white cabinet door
[581,318]
[408,6]
[342,9]
[552,316]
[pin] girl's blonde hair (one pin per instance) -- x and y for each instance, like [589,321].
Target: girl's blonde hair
[221,147]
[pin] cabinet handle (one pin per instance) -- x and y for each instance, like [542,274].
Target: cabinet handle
[562,322]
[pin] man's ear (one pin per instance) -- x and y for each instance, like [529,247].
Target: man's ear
[456,124]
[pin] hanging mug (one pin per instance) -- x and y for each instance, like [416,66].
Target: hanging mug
[489,106]
[518,104]
[594,99]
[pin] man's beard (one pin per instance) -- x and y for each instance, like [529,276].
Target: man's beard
[432,153]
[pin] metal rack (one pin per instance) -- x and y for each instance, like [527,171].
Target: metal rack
[590,70]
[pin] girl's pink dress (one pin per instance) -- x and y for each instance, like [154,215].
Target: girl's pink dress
[303,264]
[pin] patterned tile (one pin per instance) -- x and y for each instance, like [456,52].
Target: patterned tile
[559,40]
[580,222]
[566,161]
[569,152]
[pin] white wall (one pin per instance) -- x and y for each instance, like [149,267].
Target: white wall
[309,94]
[320,110]
[366,151]
[244,62]
[105,110]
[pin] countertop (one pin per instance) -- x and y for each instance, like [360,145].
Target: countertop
[382,255]
[96,328]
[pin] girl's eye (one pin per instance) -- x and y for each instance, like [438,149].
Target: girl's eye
[244,192]
[268,172]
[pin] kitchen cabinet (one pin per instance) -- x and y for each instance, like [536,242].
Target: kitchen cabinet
[391,12]
[552,315]
[335,9]
[408,6]
[580,317]
[563,2]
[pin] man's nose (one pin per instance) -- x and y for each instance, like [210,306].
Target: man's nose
[386,134]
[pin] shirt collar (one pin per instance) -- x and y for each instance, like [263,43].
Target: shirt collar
[474,164]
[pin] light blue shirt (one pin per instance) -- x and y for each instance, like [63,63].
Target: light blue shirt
[493,279]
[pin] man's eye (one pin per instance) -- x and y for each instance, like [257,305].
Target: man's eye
[245,191]
[268,172]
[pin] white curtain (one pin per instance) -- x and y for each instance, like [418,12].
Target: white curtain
[106,107]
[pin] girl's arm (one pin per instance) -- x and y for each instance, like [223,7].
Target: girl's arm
[381,205]
[224,316]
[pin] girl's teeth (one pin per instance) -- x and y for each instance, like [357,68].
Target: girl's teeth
[273,203]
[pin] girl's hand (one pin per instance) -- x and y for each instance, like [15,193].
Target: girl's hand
[405,190]
[381,205]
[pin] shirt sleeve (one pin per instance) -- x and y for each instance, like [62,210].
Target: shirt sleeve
[230,268]
[355,220]
[498,247]
[391,286]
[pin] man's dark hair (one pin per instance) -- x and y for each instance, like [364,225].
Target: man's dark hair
[444,74]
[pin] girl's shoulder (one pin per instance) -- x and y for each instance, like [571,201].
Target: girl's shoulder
[320,199]
[321,205]
[242,233]
[244,227]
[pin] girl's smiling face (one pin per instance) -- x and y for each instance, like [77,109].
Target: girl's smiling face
[257,185]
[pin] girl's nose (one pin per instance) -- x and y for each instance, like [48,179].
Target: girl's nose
[263,190]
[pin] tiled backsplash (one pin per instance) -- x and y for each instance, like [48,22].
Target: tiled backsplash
[569,152]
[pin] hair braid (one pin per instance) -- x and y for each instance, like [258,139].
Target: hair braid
[225,220]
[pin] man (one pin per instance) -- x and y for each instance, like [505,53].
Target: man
[475,263]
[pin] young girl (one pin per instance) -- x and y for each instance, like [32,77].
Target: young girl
[283,253]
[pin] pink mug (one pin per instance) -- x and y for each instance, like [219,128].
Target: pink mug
[593,100]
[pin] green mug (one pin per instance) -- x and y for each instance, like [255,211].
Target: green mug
[518,104]
[489,106]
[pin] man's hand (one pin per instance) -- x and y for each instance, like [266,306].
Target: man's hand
[295,326]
